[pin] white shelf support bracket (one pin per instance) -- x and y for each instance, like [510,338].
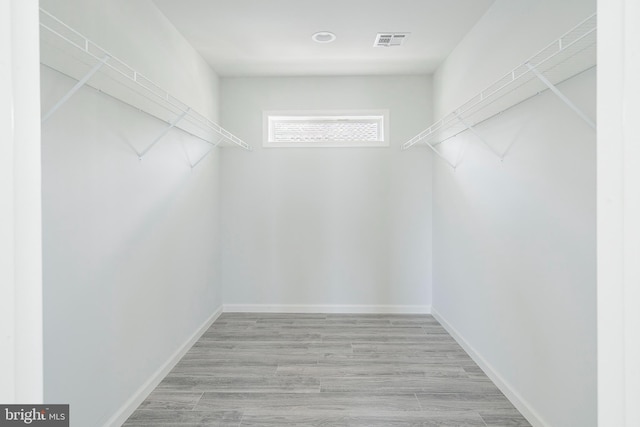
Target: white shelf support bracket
[164,133]
[440,155]
[213,146]
[477,135]
[562,96]
[75,88]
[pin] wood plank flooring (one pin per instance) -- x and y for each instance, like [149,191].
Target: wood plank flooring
[325,370]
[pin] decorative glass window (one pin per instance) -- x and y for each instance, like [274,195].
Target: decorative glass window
[326,128]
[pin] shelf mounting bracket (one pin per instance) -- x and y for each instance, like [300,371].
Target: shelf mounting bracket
[477,135]
[561,95]
[440,155]
[193,165]
[75,88]
[164,132]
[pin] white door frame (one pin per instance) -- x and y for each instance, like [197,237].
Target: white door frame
[618,186]
[21,331]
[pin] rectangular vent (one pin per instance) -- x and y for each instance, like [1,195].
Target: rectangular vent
[390,39]
[325,129]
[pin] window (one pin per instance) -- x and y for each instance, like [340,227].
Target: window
[326,128]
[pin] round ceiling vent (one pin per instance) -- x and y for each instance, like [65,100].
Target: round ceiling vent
[323,37]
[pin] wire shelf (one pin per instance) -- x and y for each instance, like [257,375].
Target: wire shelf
[69,52]
[566,57]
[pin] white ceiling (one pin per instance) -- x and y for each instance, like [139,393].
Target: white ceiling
[273,37]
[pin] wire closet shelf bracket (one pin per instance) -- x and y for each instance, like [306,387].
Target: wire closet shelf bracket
[562,59]
[69,52]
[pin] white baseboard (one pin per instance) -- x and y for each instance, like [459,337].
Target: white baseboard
[505,387]
[315,308]
[139,396]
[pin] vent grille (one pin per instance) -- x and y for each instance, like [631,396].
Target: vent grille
[326,129]
[309,130]
[390,39]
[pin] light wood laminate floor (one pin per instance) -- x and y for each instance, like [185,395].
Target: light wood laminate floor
[326,370]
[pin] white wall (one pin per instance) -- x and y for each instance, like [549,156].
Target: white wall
[131,249]
[20,194]
[316,228]
[514,243]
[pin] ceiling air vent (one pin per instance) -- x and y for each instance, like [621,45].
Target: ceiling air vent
[390,39]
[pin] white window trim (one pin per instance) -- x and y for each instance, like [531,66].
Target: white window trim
[267,143]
